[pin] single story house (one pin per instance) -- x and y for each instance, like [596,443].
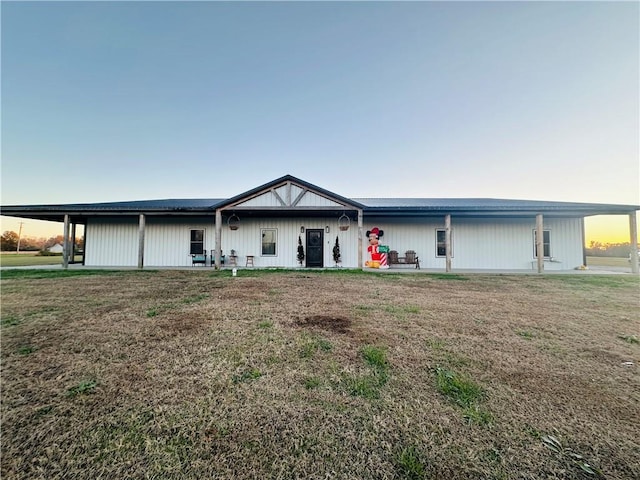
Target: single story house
[264,227]
[57,248]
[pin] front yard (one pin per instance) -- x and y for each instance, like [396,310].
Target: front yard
[197,374]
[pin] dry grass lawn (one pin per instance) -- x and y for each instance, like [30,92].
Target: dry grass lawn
[344,375]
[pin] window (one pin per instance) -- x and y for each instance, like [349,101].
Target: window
[269,236]
[441,243]
[546,244]
[197,242]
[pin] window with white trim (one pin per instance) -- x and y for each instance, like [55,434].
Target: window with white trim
[546,243]
[441,242]
[269,237]
[197,242]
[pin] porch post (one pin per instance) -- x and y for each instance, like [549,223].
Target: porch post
[447,239]
[84,243]
[218,238]
[540,242]
[584,247]
[65,243]
[633,226]
[72,253]
[141,226]
[359,238]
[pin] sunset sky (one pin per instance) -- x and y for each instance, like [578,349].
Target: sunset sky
[111,101]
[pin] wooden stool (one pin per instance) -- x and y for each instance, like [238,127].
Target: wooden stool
[249,261]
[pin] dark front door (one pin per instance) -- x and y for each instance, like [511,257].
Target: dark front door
[315,240]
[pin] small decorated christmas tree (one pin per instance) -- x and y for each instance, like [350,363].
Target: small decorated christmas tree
[336,252]
[300,251]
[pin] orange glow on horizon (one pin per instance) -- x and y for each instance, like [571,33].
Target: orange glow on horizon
[607,229]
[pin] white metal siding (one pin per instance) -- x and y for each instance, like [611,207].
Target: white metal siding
[482,243]
[267,199]
[247,240]
[114,241]
[168,240]
[477,243]
[295,191]
[111,241]
[310,199]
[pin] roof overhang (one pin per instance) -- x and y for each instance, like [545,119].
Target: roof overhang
[289,196]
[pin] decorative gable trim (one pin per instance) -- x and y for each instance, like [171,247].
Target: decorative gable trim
[289,193]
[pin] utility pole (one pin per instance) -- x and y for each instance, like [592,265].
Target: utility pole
[19,236]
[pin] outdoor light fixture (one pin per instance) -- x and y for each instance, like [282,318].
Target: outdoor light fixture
[327,229]
[233,222]
[344,222]
[302,229]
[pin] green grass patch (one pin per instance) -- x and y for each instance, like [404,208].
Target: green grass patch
[410,464]
[265,324]
[458,388]
[465,393]
[526,334]
[42,273]
[366,386]
[369,385]
[195,298]
[376,357]
[364,308]
[42,411]
[32,259]
[448,276]
[311,383]
[312,345]
[633,339]
[10,320]
[436,344]
[478,415]
[83,388]
[247,375]
[589,281]
[26,350]
[401,311]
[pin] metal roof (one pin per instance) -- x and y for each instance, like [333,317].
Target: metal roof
[489,206]
[374,206]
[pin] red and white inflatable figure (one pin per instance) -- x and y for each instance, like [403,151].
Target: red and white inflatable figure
[376,259]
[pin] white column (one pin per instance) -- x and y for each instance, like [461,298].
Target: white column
[360,239]
[633,227]
[65,243]
[218,238]
[540,242]
[447,240]
[141,229]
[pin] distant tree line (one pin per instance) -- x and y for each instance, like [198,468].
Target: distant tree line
[598,249]
[9,242]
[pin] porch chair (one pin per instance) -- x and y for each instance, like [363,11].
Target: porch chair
[213,259]
[199,258]
[411,257]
